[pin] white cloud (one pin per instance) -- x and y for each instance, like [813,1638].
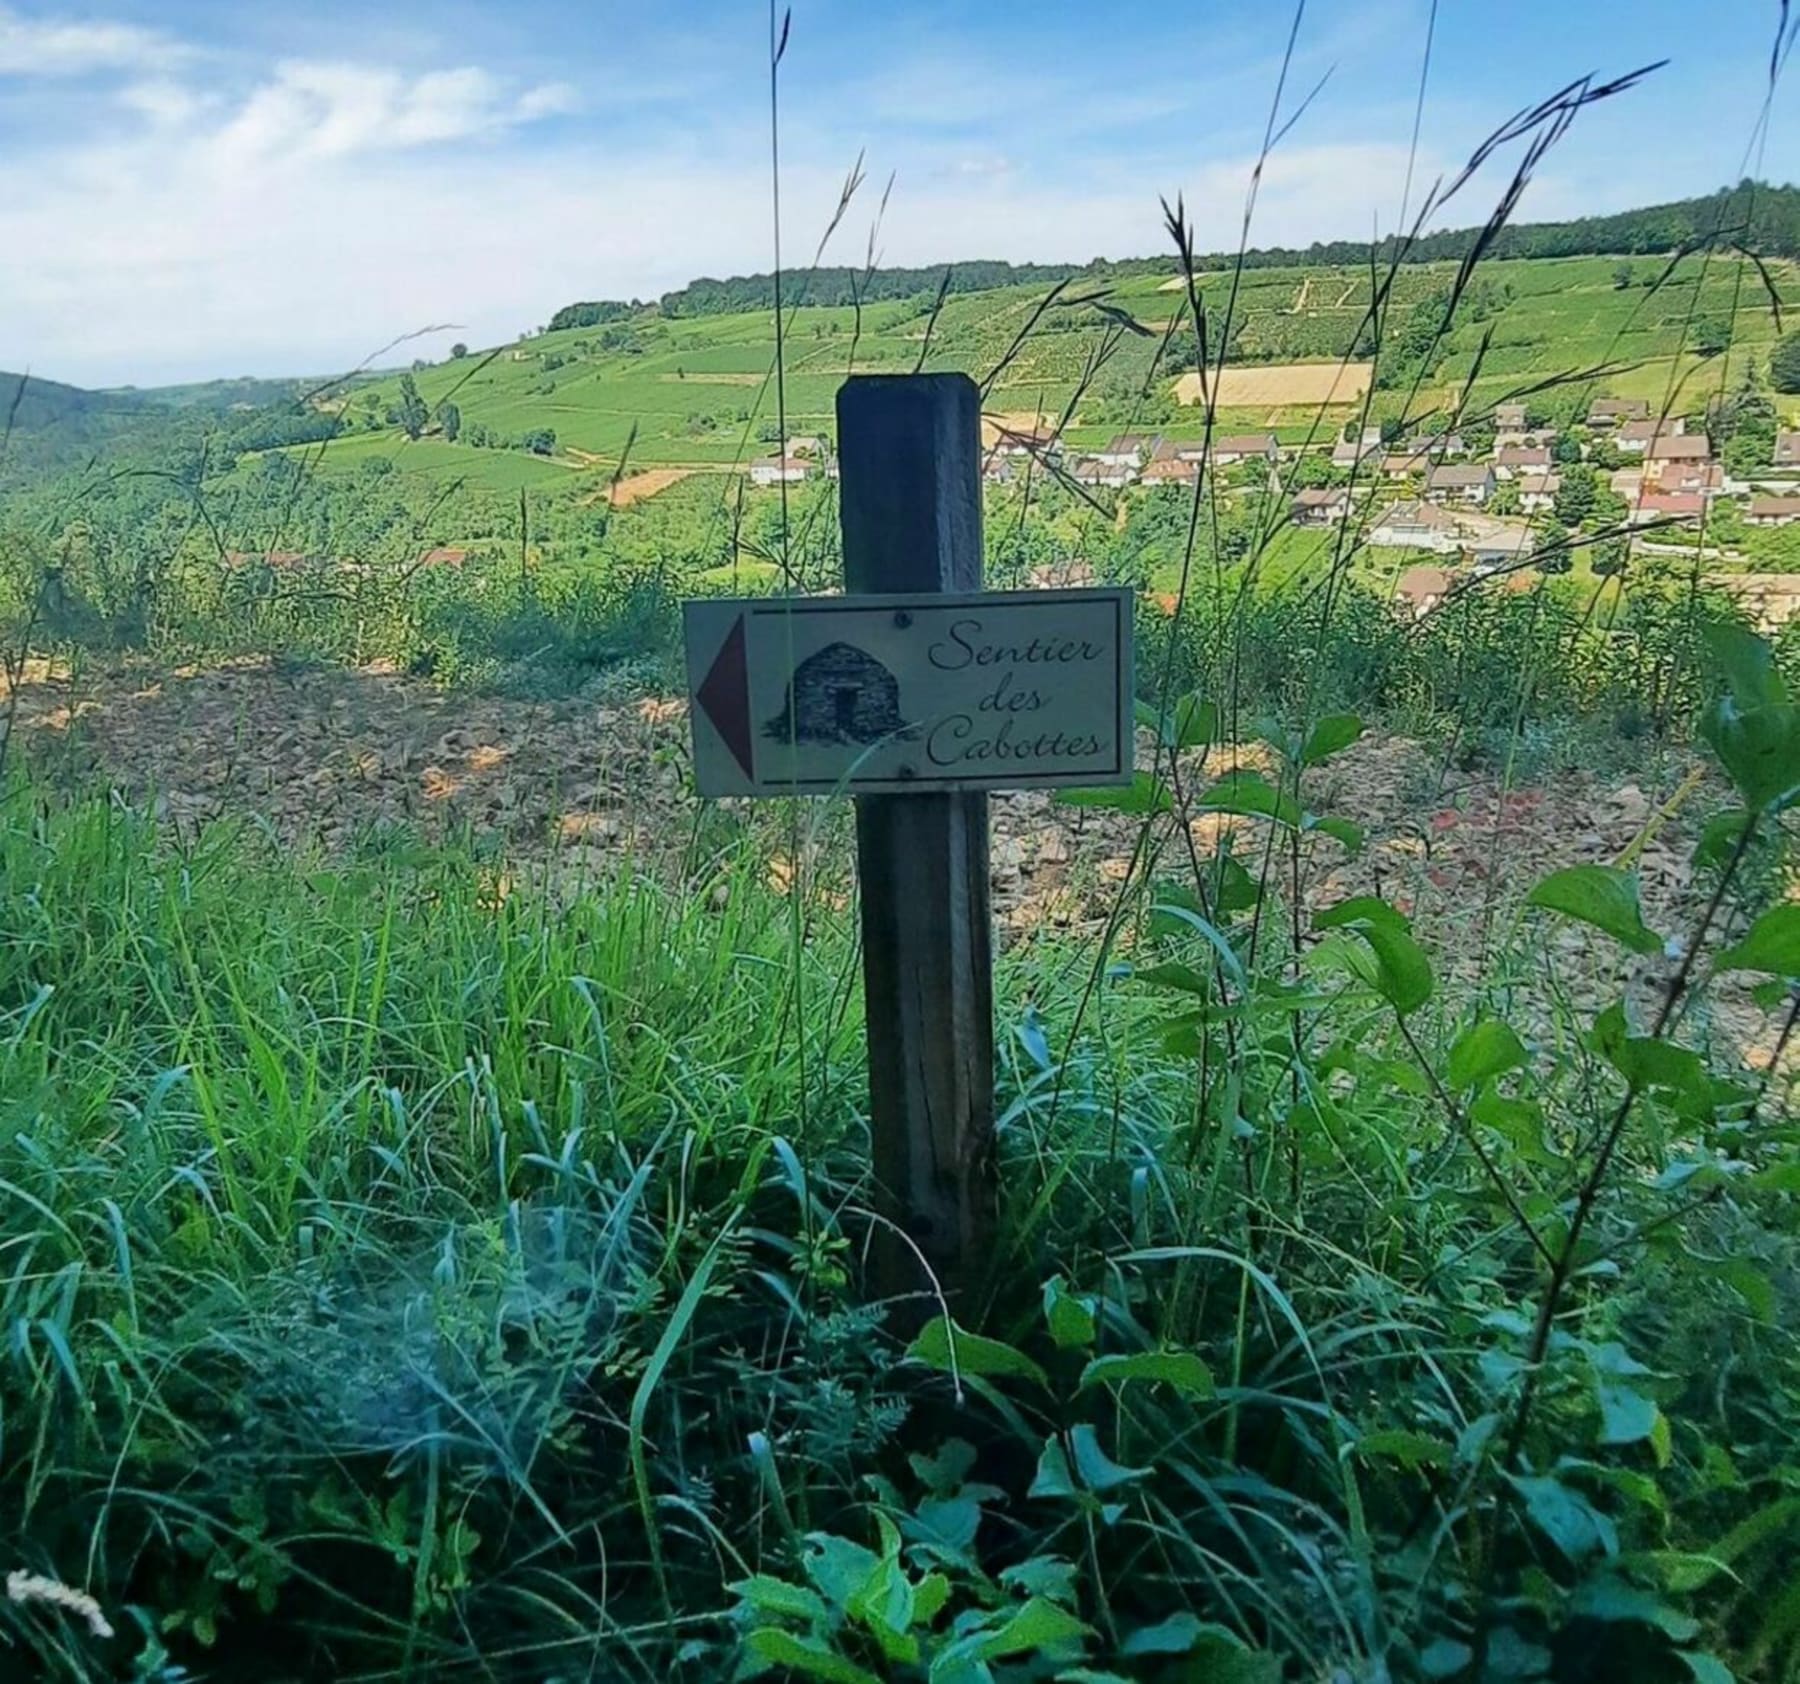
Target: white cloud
[31,47]
[164,103]
[314,110]
[316,221]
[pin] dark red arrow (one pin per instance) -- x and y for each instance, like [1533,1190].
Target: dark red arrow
[724,697]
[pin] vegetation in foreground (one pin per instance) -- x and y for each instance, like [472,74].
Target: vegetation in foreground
[456,1274]
[421,1263]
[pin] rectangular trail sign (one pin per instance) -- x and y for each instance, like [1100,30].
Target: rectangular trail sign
[916,692]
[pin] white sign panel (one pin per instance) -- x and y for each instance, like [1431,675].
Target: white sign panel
[999,689]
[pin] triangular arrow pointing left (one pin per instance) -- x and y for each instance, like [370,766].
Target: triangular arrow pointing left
[724,697]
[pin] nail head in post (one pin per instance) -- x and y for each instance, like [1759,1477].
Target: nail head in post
[902,619]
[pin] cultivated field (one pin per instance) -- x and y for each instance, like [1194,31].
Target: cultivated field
[1274,384]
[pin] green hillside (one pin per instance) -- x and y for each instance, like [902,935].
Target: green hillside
[698,391]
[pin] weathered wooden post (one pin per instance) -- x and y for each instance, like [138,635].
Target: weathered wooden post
[909,455]
[916,692]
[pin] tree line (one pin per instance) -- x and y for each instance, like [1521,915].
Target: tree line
[1760,217]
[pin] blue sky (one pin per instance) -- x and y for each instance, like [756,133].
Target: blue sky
[192,188]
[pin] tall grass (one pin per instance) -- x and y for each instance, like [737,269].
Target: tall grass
[416,1265]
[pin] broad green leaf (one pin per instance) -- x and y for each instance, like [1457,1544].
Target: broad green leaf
[769,1646]
[776,1596]
[1097,1470]
[1196,722]
[1351,835]
[1648,1061]
[1191,723]
[1747,664]
[1054,1477]
[951,1349]
[1707,1669]
[1359,910]
[947,1522]
[1749,1282]
[841,1569]
[1409,1449]
[1070,1319]
[1600,895]
[1566,1517]
[1333,733]
[1041,1624]
[1042,1575]
[1771,944]
[1719,839]
[1488,1048]
[929,1599]
[1144,794]
[943,1472]
[1444,1658]
[1401,974]
[1246,792]
[1180,1369]
[1609,1598]
[1626,1416]
[1183,979]
[1179,1634]
[1511,1655]
[1520,1122]
[1759,747]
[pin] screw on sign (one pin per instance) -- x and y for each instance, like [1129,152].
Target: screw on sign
[917,692]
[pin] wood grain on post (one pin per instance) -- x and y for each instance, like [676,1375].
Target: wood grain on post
[909,450]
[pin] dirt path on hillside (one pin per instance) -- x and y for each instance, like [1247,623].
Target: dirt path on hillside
[346,760]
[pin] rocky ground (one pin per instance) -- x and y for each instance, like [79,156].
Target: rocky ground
[333,759]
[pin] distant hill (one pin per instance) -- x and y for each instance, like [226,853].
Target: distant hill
[1764,218]
[245,391]
[47,425]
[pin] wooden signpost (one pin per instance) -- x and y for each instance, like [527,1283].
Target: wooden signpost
[917,692]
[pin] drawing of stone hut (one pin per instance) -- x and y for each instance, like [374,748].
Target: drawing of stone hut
[840,694]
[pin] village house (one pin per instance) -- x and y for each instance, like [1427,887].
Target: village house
[1321,506]
[1240,447]
[1129,450]
[1499,543]
[1705,478]
[1473,484]
[1655,507]
[997,469]
[1100,470]
[1039,441]
[1066,574]
[1421,589]
[779,470]
[1519,458]
[1772,511]
[1626,482]
[1509,418]
[804,444]
[1347,453]
[1537,491]
[1663,453]
[1611,412]
[1404,464]
[443,558]
[1169,470]
[1636,436]
[1416,525]
[1437,445]
[1787,450]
